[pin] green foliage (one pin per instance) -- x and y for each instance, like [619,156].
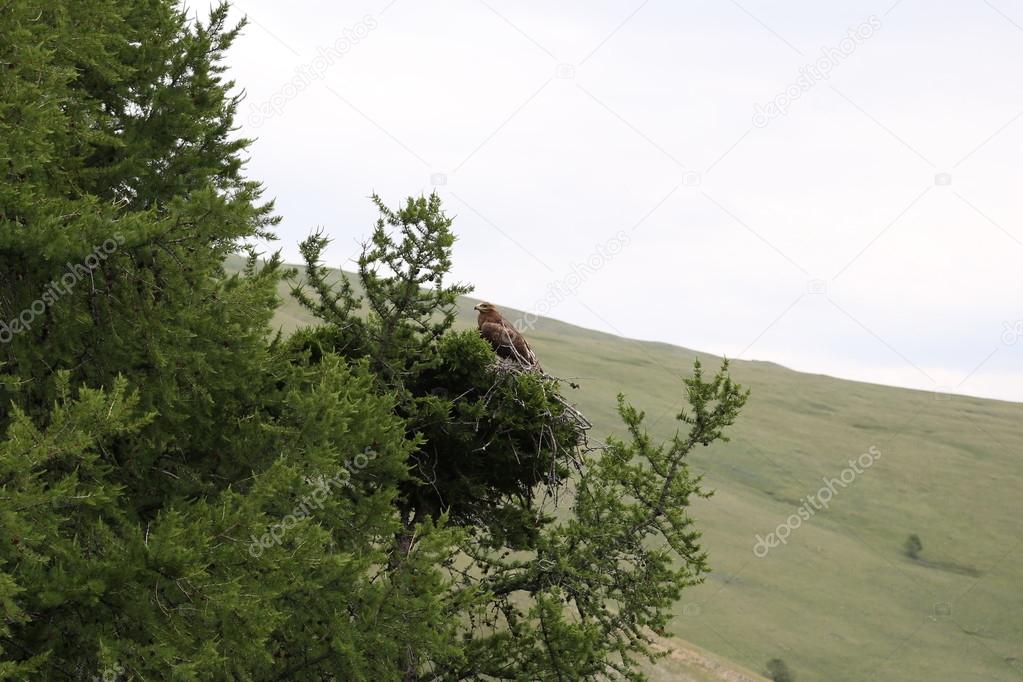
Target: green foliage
[913,546]
[185,496]
[402,276]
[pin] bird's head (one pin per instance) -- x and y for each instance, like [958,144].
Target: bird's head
[484,307]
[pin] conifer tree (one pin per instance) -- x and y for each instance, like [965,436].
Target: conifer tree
[177,501]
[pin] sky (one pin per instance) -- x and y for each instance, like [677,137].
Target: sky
[834,187]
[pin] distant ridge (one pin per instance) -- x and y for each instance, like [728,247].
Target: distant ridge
[839,600]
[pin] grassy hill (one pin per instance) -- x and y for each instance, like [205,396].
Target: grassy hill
[840,600]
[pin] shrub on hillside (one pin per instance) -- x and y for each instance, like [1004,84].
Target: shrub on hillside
[913,546]
[779,671]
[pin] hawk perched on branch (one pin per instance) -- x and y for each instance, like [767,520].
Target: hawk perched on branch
[508,343]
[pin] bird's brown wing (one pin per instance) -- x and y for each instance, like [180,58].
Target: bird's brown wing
[523,353]
[508,342]
[495,333]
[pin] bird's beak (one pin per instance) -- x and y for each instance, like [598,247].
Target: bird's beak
[476,307]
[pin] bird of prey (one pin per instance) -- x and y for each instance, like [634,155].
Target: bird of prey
[508,343]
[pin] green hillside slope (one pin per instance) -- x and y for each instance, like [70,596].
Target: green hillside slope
[840,600]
